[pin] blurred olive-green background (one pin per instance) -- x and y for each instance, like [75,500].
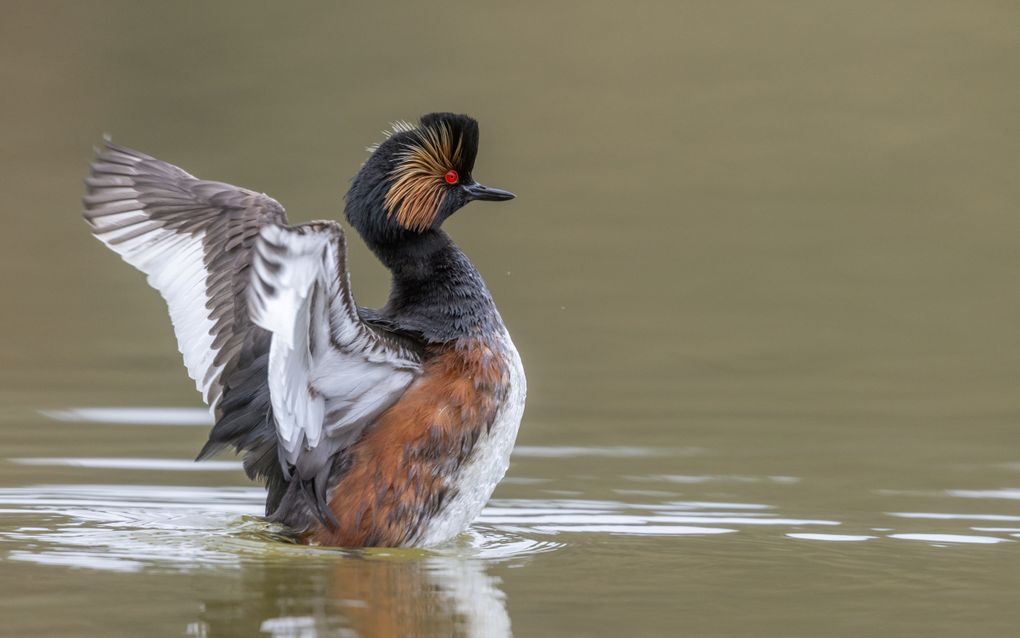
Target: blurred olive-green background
[783,234]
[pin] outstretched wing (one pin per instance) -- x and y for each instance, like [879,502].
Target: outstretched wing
[289,388]
[330,373]
[193,239]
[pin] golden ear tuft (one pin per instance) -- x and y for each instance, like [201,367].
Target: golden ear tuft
[419,186]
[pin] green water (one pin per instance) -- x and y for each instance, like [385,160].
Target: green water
[762,270]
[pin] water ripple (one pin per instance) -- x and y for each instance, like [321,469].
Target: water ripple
[133,416]
[1012,494]
[161,465]
[832,538]
[951,538]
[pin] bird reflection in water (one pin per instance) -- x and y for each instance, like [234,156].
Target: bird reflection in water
[363,595]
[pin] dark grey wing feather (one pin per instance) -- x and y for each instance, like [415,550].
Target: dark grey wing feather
[193,240]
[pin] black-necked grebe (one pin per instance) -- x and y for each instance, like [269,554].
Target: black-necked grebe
[386,427]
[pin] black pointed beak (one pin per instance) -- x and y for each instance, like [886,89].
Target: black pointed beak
[484,193]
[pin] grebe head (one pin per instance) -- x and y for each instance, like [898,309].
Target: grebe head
[416,178]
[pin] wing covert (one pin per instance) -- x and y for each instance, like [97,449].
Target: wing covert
[330,373]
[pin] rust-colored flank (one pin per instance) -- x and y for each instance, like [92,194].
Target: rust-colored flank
[397,476]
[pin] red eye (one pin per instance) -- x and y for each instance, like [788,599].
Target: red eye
[451,177]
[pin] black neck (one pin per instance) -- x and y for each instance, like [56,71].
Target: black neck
[436,291]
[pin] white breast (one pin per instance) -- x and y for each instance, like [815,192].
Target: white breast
[487,464]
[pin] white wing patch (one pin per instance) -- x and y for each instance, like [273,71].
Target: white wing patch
[329,373]
[173,264]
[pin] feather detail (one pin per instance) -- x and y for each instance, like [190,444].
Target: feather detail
[418,188]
